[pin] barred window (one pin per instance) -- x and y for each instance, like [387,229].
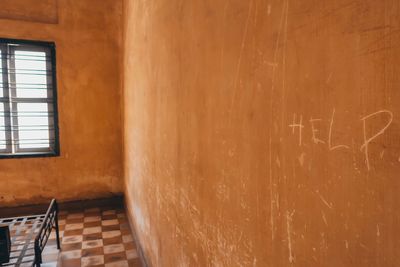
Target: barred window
[28,99]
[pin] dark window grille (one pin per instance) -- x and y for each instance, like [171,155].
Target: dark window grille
[28,99]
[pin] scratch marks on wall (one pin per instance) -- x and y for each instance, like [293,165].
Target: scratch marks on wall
[274,194]
[242,47]
[297,126]
[368,140]
[324,218]
[221,188]
[220,241]
[222,53]
[378,231]
[329,205]
[331,147]
[314,131]
[289,231]
[284,48]
[140,219]
[302,158]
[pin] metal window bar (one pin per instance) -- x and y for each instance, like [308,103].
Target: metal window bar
[12,52]
[6,104]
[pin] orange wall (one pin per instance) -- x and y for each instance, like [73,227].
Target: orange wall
[218,174]
[88,39]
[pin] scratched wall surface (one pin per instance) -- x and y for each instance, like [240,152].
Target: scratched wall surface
[88,38]
[263,133]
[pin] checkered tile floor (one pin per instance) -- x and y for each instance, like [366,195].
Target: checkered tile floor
[92,237]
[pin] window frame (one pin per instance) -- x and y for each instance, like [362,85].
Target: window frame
[54,148]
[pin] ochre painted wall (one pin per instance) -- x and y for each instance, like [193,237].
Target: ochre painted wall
[88,36]
[45,11]
[248,140]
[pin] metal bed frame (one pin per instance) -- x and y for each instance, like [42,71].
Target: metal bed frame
[29,236]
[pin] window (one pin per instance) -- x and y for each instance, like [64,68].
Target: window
[28,99]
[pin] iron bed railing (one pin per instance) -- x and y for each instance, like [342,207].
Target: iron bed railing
[29,235]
